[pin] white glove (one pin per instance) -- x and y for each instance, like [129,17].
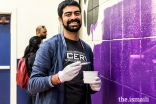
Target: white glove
[96,85]
[69,72]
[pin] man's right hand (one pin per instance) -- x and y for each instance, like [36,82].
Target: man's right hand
[69,72]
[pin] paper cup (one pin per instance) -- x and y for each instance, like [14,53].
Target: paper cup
[89,76]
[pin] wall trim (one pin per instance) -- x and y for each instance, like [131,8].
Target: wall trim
[4,67]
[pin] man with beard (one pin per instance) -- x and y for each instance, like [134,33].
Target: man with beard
[57,75]
[41,31]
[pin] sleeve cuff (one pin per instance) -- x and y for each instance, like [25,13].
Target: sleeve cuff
[50,82]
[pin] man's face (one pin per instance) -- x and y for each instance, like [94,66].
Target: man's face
[71,18]
[43,33]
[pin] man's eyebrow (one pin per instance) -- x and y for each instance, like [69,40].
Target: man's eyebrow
[71,11]
[67,12]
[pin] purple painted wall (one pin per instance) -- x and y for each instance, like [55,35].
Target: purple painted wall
[126,59]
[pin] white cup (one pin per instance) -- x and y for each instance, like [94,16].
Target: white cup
[89,76]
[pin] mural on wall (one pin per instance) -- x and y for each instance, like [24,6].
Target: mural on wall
[92,14]
[125,58]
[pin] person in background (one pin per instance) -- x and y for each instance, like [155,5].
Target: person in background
[41,31]
[57,75]
[30,54]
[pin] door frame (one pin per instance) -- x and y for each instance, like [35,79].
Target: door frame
[13,53]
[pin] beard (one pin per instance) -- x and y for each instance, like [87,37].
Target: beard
[70,28]
[42,36]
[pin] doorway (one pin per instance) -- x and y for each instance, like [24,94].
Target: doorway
[5,61]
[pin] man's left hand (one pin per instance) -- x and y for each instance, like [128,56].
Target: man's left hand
[96,85]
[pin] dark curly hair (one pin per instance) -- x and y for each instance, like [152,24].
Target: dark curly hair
[33,46]
[65,3]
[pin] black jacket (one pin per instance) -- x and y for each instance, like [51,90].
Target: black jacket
[30,58]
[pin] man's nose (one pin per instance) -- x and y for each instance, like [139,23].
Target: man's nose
[73,16]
